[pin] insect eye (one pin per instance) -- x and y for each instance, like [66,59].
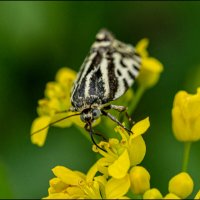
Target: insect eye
[96,113]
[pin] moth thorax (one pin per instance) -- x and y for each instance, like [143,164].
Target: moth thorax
[89,115]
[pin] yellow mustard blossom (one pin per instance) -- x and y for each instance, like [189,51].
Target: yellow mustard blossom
[186,116]
[67,184]
[181,185]
[197,195]
[150,68]
[57,99]
[120,155]
[140,180]
[153,193]
[110,188]
[70,184]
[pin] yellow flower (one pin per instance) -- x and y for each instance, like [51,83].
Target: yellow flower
[150,68]
[110,188]
[70,184]
[152,194]
[140,180]
[57,99]
[67,184]
[121,154]
[186,116]
[181,185]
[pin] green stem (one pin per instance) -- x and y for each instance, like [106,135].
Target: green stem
[139,93]
[186,155]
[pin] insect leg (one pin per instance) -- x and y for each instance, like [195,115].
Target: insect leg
[129,118]
[119,109]
[115,120]
[115,107]
[88,128]
[100,135]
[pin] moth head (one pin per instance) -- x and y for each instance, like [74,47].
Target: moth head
[89,115]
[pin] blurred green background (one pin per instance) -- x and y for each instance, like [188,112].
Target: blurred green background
[37,38]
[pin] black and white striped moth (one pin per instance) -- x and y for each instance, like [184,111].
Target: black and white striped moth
[108,71]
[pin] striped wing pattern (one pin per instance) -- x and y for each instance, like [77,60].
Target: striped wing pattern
[107,72]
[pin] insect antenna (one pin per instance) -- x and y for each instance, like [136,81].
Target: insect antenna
[52,123]
[91,135]
[63,111]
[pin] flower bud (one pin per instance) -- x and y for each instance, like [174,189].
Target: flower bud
[140,180]
[181,185]
[186,116]
[151,67]
[152,194]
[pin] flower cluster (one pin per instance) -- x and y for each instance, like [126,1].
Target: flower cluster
[112,175]
[50,109]
[117,172]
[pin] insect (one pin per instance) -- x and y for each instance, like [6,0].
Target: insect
[108,71]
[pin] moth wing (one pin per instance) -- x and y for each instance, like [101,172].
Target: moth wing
[107,73]
[119,72]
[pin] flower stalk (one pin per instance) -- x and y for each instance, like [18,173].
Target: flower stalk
[138,95]
[186,155]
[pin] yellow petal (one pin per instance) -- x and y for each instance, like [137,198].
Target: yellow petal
[102,166]
[67,176]
[116,188]
[39,123]
[92,172]
[196,129]
[101,179]
[181,185]
[74,191]
[180,129]
[137,150]
[140,128]
[152,194]
[120,166]
[140,180]
[56,185]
